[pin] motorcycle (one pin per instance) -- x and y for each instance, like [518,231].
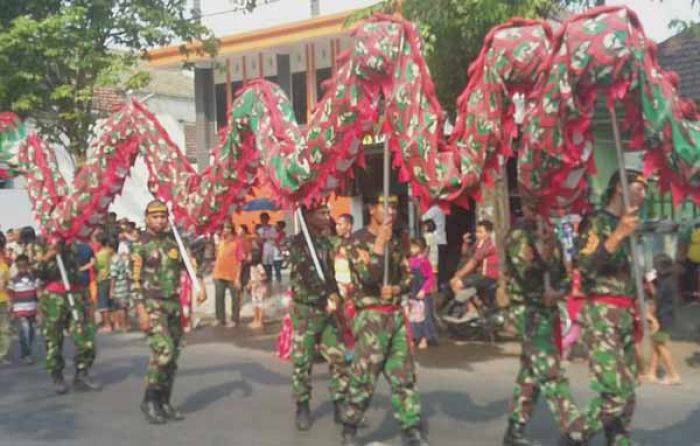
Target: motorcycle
[487,322]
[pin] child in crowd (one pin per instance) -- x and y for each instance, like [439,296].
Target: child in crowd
[258,287]
[4,303]
[429,229]
[120,288]
[421,301]
[23,295]
[103,261]
[663,288]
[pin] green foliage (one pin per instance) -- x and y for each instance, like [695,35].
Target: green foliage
[55,53]
[454,32]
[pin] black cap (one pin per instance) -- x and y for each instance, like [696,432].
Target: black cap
[633,176]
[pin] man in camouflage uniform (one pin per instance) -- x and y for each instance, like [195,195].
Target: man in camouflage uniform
[608,318]
[312,318]
[532,252]
[58,315]
[157,265]
[380,327]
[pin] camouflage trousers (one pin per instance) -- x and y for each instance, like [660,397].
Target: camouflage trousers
[381,346]
[540,371]
[56,317]
[311,326]
[608,332]
[163,335]
[5,332]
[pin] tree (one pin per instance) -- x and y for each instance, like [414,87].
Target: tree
[55,53]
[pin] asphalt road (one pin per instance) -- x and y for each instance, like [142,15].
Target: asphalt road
[235,392]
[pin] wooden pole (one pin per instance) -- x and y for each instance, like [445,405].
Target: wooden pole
[634,238]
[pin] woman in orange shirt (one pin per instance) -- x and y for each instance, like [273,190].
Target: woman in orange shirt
[227,270]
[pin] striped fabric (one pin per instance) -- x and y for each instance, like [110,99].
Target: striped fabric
[22,290]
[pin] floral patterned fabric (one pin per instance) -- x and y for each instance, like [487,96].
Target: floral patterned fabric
[384,62]
[12,131]
[510,63]
[261,132]
[383,78]
[605,52]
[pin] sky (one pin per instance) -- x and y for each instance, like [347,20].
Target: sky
[656,14]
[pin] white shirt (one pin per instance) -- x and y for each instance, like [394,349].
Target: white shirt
[438,217]
[268,235]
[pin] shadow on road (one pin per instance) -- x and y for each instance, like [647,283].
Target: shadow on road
[51,423]
[456,406]
[202,399]
[250,372]
[683,432]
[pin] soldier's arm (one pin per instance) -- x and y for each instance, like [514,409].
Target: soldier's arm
[523,263]
[374,267]
[405,277]
[136,270]
[295,256]
[593,257]
[560,280]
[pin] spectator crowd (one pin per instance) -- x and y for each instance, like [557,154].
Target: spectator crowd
[246,266]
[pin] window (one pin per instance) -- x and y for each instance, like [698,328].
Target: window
[322,75]
[299,96]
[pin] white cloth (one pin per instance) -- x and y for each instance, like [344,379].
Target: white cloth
[268,234]
[438,217]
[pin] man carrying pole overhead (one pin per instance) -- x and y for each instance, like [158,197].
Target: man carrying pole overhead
[536,277]
[610,319]
[62,306]
[380,327]
[315,295]
[158,262]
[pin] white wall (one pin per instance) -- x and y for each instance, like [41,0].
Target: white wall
[220,17]
[15,208]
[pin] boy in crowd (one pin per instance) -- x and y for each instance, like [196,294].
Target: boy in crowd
[103,262]
[23,295]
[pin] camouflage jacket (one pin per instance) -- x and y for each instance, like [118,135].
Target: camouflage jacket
[367,270]
[306,285]
[526,268]
[157,265]
[48,271]
[603,272]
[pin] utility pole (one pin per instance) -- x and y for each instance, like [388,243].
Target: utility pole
[315,8]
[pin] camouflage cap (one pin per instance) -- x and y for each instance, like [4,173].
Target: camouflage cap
[156,207]
[633,176]
[378,198]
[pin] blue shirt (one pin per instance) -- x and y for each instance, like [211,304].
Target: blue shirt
[83,254]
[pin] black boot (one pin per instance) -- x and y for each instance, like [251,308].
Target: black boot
[303,417]
[59,384]
[569,440]
[515,436]
[83,382]
[413,437]
[170,412]
[350,435]
[337,412]
[151,408]
[612,430]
